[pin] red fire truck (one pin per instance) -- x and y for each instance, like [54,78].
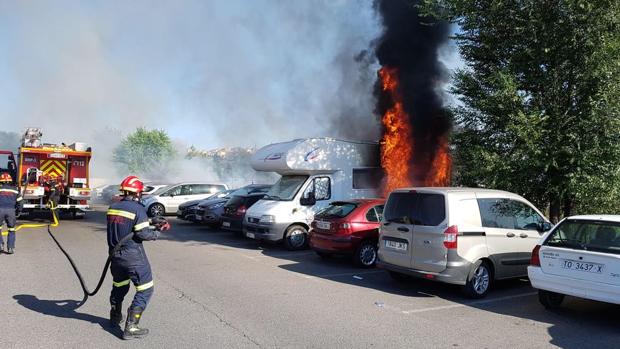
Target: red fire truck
[50,172]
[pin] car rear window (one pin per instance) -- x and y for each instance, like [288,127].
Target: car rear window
[236,201]
[337,210]
[415,208]
[251,200]
[586,235]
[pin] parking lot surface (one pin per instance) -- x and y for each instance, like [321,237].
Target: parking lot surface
[214,289]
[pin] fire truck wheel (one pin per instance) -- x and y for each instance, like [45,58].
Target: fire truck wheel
[156,210]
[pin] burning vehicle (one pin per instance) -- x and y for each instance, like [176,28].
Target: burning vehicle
[314,172]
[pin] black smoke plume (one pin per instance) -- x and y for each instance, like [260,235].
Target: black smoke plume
[411,43]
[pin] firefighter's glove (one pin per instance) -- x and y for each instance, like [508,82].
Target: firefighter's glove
[160,223]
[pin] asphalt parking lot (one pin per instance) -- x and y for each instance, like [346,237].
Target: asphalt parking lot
[217,290]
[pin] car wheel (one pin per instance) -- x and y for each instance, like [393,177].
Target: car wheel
[479,280]
[156,210]
[296,238]
[550,300]
[366,254]
[400,277]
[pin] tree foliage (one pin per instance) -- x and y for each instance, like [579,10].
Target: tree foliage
[539,110]
[146,153]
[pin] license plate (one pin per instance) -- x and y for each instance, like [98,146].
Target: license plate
[226,224]
[250,235]
[582,266]
[401,246]
[323,225]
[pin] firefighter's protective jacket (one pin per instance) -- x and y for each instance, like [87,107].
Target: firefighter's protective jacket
[129,217]
[10,197]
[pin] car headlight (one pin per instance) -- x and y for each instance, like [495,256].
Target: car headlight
[213,207]
[267,218]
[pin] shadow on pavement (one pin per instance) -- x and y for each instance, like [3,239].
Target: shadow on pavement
[578,324]
[64,309]
[198,234]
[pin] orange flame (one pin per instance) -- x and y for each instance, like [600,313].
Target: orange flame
[397,144]
[441,170]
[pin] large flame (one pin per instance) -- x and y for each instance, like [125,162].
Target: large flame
[440,172]
[397,144]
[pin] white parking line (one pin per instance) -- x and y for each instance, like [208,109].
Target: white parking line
[286,255]
[350,274]
[459,305]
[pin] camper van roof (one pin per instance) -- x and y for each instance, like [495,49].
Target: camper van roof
[315,155]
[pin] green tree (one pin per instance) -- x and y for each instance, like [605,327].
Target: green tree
[146,153]
[539,110]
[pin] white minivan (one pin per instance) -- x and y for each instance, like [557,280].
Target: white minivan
[462,236]
[314,172]
[579,257]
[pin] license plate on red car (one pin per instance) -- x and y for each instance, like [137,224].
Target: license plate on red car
[323,225]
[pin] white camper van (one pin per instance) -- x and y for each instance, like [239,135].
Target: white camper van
[314,172]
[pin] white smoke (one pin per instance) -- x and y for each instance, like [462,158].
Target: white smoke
[211,73]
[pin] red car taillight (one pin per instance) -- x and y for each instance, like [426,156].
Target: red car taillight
[535,260]
[450,237]
[241,210]
[343,228]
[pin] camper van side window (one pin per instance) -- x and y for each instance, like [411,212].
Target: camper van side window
[367,178]
[321,186]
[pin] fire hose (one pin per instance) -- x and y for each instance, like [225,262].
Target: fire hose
[162,223]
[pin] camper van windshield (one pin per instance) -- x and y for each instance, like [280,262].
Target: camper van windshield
[286,188]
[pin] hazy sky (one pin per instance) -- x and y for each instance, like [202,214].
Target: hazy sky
[212,73]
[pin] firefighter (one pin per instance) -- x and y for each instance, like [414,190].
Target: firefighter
[129,263]
[10,206]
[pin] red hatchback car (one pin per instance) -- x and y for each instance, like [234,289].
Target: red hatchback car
[349,228]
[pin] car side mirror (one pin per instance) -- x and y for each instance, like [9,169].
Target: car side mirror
[544,227]
[309,201]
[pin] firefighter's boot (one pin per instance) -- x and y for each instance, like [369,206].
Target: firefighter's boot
[132,331]
[116,315]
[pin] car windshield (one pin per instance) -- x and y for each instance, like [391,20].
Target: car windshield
[221,194]
[586,235]
[337,210]
[286,188]
[159,191]
[250,189]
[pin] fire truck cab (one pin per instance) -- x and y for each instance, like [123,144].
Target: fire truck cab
[52,173]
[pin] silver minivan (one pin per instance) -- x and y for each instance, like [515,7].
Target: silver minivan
[462,236]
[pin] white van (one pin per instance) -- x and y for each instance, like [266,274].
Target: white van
[314,172]
[461,236]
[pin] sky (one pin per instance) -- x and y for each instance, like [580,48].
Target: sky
[211,73]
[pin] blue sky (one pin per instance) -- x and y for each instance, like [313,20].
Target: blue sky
[212,73]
